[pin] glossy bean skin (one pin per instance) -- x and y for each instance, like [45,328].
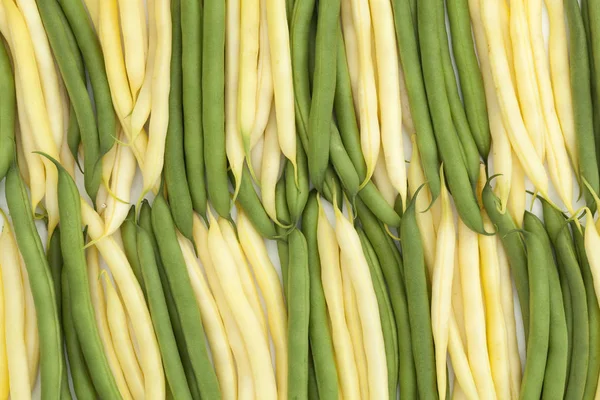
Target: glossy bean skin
[320,334]
[405,19]
[145,223]
[556,365]
[72,246]
[579,63]
[283,216]
[342,164]
[213,111]
[176,180]
[558,231]
[129,237]
[593,313]
[297,192]
[7,113]
[298,302]
[191,29]
[418,304]
[91,51]
[514,247]
[184,299]
[160,317]
[592,9]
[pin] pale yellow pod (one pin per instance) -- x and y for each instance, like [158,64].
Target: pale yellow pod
[93,9]
[122,341]
[211,320]
[388,94]
[256,157]
[22,160]
[100,314]
[495,324]
[517,195]
[351,46]
[4,378]
[133,27]
[460,362]
[249,38]
[368,310]
[134,302]
[270,167]
[272,291]
[108,163]
[32,338]
[383,182]
[331,275]
[245,385]
[253,335]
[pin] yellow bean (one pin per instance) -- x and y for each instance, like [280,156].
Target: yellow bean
[270,167]
[4,376]
[133,27]
[383,181]
[516,197]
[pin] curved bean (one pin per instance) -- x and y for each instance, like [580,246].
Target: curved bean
[129,237]
[7,113]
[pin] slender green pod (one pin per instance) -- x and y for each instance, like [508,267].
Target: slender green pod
[7,112]
[191,36]
[579,63]
[332,189]
[80,375]
[580,340]
[72,246]
[593,17]
[405,20]
[160,317]
[297,191]
[342,163]
[593,370]
[298,303]
[320,334]
[514,247]
[184,299]
[94,61]
[556,365]
[313,389]
[283,216]
[388,322]
[568,306]
[129,237]
[213,110]
[378,206]
[417,296]
[471,81]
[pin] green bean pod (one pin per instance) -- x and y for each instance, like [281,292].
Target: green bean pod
[514,247]
[160,317]
[388,323]
[70,70]
[471,81]
[213,110]
[568,306]
[298,302]
[94,61]
[7,113]
[565,250]
[129,237]
[405,20]
[191,30]
[593,370]
[415,278]
[332,188]
[320,335]
[184,298]
[556,365]
[80,375]
[283,216]
[342,163]
[593,17]
[174,170]
[71,240]
[579,63]
[323,90]
[378,206]
[313,389]
[249,201]
[145,223]
[297,192]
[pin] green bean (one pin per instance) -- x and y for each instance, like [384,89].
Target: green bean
[323,92]
[249,201]
[579,63]
[71,239]
[556,365]
[94,60]
[160,318]
[461,125]
[174,171]
[191,30]
[213,110]
[342,163]
[297,192]
[76,87]
[566,253]
[537,342]
[593,15]
[145,223]
[378,206]
[514,247]
[283,216]
[593,370]
[388,323]
[80,375]
[415,279]
[471,81]
[184,298]
[568,306]
[313,389]
[7,113]
[408,47]
[129,236]
[320,334]
[298,316]
[332,188]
